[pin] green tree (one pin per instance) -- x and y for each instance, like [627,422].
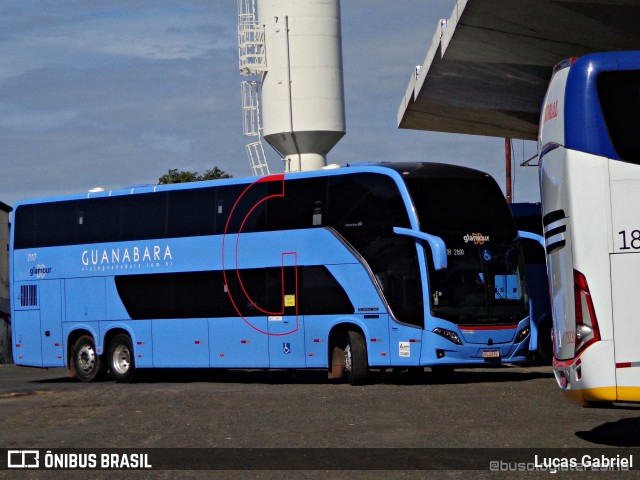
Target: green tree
[182,176]
[214,174]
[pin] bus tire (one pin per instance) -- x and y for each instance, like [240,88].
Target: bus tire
[88,365]
[121,360]
[356,364]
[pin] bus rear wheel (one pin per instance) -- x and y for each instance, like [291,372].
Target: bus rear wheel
[356,364]
[86,362]
[121,361]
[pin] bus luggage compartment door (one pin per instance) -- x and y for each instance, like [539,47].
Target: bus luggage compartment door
[286,331]
[38,332]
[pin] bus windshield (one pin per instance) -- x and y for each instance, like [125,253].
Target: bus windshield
[484,282]
[480,286]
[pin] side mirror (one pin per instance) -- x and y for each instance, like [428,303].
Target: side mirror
[532,236]
[438,247]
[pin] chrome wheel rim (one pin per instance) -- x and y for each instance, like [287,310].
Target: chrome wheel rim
[86,359]
[121,359]
[347,358]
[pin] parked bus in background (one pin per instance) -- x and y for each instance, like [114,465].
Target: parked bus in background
[589,151]
[5,321]
[528,218]
[373,266]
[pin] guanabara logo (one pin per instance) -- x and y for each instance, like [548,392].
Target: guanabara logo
[476,238]
[130,257]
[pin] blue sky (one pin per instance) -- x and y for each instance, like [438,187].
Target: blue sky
[111,94]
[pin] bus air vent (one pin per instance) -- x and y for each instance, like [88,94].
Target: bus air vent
[28,295]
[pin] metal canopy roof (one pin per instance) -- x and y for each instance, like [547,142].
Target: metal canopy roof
[488,66]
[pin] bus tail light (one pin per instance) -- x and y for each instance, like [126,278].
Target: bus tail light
[587,331]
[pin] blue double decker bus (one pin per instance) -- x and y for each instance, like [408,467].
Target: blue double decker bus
[372,266]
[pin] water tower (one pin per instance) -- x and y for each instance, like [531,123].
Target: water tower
[296,48]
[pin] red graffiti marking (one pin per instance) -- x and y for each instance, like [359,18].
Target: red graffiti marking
[270,178]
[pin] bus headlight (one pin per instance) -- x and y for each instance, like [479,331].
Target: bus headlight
[448,334]
[522,334]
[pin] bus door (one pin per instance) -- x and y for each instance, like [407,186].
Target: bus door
[286,331]
[51,323]
[286,340]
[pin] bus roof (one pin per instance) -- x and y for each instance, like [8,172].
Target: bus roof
[419,169]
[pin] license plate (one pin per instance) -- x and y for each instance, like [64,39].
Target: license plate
[491,354]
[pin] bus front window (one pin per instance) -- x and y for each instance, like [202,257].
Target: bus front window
[480,286]
[484,280]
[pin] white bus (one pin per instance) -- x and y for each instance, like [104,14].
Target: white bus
[589,149]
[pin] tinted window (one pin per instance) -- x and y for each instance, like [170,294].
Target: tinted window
[56,222]
[191,212]
[203,294]
[454,207]
[24,226]
[619,93]
[481,285]
[144,216]
[364,209]
[245,205]
[303,204]
[99,220]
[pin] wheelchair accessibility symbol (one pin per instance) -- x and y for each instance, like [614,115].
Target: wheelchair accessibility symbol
[286,348]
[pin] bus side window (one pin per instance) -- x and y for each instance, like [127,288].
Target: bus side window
[191,212]
[144,216]
[55,224]
[303,204]
[99,220]
[234,209]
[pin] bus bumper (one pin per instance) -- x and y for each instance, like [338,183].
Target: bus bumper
[586,378]
[438,351]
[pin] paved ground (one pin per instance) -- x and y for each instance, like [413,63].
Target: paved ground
[497,408]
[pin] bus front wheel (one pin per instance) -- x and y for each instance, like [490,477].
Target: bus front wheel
[86,362]
[356,364]
[121,360]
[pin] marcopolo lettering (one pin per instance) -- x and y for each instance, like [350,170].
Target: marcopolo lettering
[113,256]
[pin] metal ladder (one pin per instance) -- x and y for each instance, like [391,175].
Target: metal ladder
[252,126]
[251,62]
